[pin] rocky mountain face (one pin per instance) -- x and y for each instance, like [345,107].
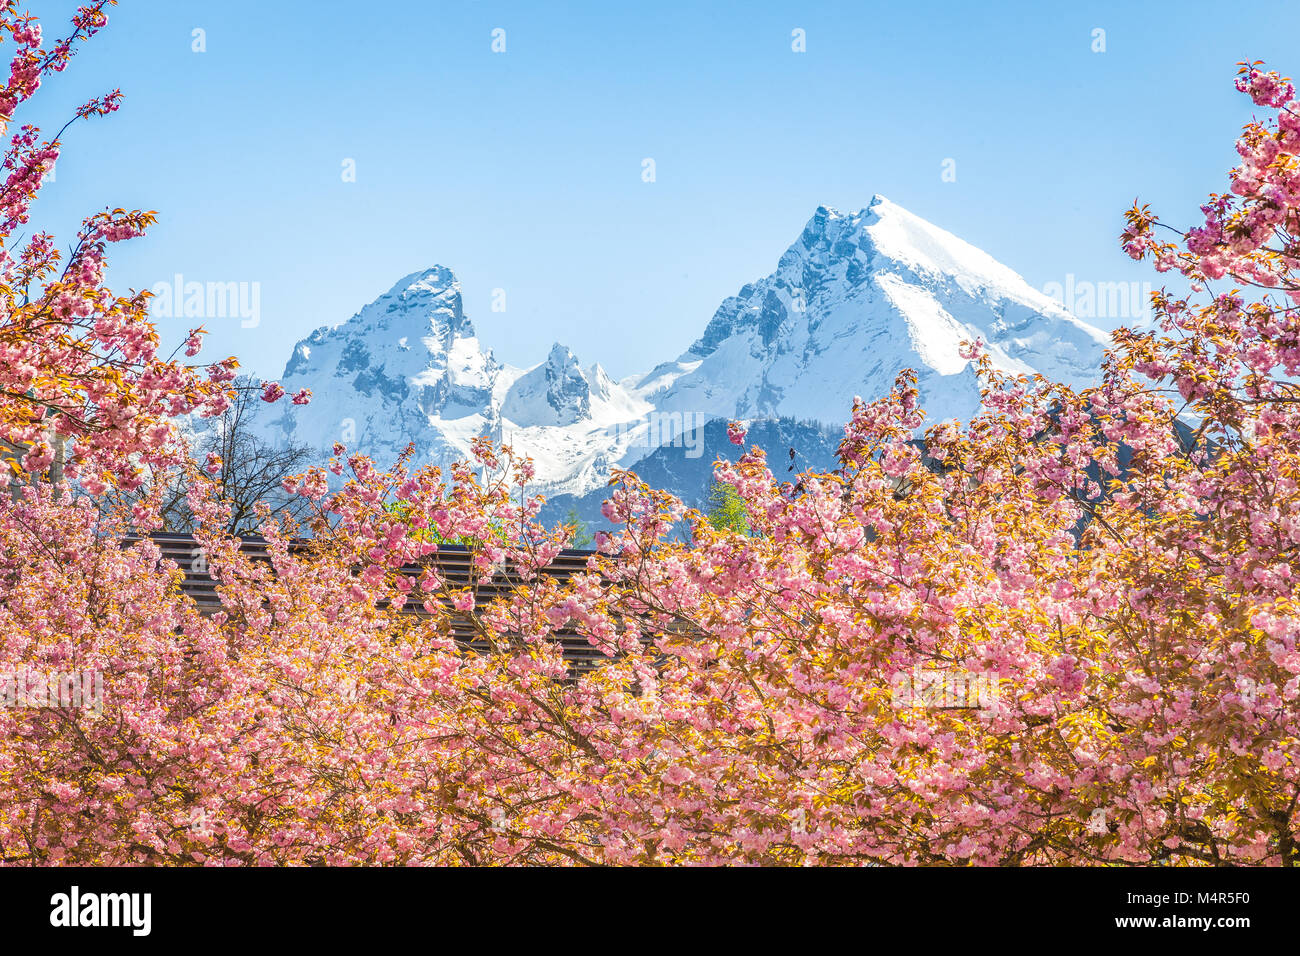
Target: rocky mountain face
[855,299]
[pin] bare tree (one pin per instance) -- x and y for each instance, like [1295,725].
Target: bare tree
[253,468]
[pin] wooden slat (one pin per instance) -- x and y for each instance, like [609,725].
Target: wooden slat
[452,562]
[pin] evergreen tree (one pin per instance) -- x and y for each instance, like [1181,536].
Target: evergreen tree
[580,537]
[727,509]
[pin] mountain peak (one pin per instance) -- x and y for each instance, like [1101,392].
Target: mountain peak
[878,204]
[561,356]
[860,296]
[556,392]
[885,231]
[412,347]
[436,278]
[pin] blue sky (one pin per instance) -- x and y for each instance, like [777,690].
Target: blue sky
[522,170]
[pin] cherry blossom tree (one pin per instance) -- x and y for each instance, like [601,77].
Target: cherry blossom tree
[1062,632]
[83,386]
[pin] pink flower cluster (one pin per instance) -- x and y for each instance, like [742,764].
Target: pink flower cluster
[1115,570]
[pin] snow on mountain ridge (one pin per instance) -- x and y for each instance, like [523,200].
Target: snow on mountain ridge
[376,348]
[557,392]
[854,300]
[857,298]
[409,367]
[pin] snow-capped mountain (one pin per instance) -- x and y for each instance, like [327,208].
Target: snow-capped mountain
[855,299]
[409,368]
[380,379]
